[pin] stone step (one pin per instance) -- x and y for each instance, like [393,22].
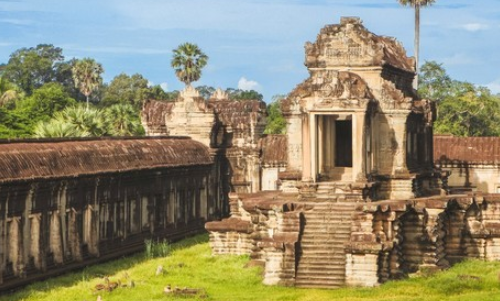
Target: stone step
[325,232]
[316,265]
[325,223]
[322,257]
[307,247]
[320,273]
[328,282]
[334,206]
[326,240]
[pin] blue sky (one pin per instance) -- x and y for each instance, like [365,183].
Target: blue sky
[252,44]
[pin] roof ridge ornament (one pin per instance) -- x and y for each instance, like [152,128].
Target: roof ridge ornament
[220,94]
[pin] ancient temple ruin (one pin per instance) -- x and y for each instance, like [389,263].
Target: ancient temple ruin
[232,129]
[360,200]
[350,196]
[65,204]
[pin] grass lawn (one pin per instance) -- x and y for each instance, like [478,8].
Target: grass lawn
[225,278]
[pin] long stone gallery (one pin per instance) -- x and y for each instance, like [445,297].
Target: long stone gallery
[356,193]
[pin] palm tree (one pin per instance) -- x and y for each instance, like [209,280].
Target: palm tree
[89,121]
[123,120]
[87,76]
[57,127]
[188,60]
[416,4]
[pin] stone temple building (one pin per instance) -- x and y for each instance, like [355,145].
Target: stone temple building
[356,193]
[359,200]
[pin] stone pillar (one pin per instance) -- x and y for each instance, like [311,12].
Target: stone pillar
[55,239]
[36,250]
[313,138]
[434,253]
[399,130]
[15,245]
[320,144]
[362,253]
[306,149]
[358,136]
[294,136]
[330,143]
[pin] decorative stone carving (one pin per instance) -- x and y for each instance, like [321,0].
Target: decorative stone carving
[219,94]
[189,93]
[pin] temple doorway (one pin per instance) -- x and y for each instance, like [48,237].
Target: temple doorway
[334,147]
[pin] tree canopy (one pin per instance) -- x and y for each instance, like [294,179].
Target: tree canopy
[463,108]
[31,68]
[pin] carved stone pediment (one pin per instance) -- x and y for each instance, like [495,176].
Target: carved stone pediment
[351,44]
[394,99]
[333,89]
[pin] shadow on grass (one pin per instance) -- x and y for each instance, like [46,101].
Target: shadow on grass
[100,270]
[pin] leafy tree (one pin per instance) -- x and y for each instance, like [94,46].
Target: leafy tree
[14,124]
[434,83]
[206,91]
[123,120]
[473,113]
[238,94]
[276,123]
[416,4]
[87,76]
[64,76]
[9,93]
[188,60]
[463,108]
[125,89]
[31,68]
[45,102]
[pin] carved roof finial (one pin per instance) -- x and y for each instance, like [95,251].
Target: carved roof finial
[189,93]
[219,94]
[350,20]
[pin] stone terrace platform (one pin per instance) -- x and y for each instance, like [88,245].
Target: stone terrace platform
[333,244]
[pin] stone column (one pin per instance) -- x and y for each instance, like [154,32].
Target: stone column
[35,248]
[358,136]
[320,144]
[306,149]
[313,138]
[294,136]
[434,253]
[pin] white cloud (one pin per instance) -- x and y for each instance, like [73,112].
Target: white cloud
[474,26]
[245,84]
[457,59]
[164,86]
[22,22]
[494,86]
[116,49]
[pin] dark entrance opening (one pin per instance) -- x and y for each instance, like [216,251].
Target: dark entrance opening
[343,143]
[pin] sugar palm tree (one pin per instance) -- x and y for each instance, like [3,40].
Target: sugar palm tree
[57,127]
[122,120]
[86,120]
[188,60]
[416,4]
[87,76]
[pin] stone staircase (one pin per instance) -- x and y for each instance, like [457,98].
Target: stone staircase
[322,258]
[337,191]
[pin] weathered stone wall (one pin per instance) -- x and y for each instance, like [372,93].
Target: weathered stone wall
[61,218]
[232,128]
[334,244]
[396,238]
[473,162]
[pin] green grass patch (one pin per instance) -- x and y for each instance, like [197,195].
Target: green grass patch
[189,263]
